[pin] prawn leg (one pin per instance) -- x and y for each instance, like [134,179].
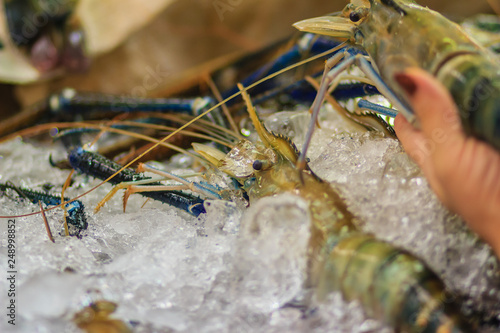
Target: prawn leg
[208,190]
[365,105]
[69,102]
[153,185]
[99,167]
[333,68]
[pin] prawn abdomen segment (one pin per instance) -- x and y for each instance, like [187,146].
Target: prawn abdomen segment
[475,87]
[396,42]
[391,284]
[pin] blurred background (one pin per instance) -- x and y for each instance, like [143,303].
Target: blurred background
[173,39]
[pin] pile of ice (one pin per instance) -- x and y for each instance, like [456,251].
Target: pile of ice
[234,269]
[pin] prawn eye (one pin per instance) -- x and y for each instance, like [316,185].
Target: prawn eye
[257,165]
[354,16]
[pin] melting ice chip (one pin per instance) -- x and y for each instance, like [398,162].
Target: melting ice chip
[48,295]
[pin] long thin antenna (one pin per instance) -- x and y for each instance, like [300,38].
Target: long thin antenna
[162,141]
[47,227]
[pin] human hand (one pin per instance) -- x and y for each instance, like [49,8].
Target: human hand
[463,171]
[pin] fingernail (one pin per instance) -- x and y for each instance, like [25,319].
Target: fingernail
[406,83]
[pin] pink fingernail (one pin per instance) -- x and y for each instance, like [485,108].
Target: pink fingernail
[406,83]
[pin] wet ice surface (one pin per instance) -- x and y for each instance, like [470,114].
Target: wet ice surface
[233,269]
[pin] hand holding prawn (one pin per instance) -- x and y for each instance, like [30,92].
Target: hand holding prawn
[396,36]
[464,172]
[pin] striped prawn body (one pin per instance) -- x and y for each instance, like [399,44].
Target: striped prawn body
[391,284]
[398,34]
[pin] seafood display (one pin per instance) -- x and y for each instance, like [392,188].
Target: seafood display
[348,239]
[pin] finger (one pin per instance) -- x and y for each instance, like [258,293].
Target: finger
[416,146]
[432,104]
[409,136]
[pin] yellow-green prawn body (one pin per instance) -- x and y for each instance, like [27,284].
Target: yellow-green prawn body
[391,284]
[398,34]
